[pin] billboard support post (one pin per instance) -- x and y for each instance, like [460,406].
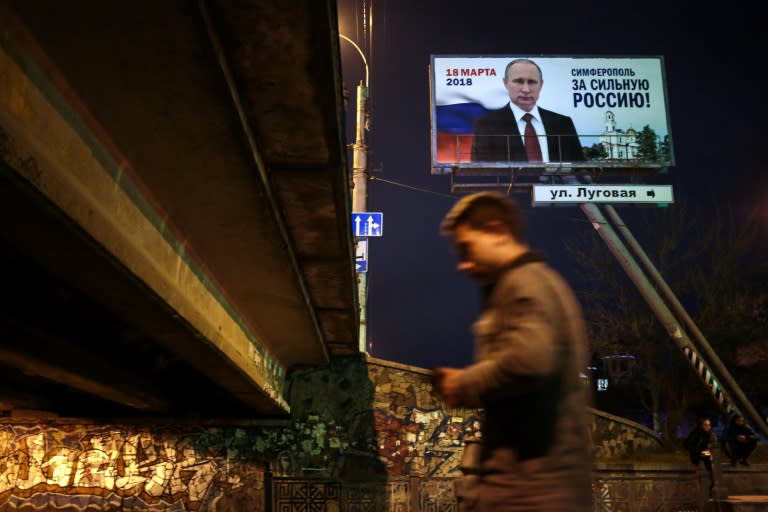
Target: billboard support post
[730,398]
[662,312]
[679,310]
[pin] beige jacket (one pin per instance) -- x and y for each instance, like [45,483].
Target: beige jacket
[530,351]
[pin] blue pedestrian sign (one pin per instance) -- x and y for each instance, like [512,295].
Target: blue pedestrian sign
[367,223]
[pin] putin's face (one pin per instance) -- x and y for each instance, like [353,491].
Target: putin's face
[523,83]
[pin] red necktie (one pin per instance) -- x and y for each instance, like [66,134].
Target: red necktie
[532,147]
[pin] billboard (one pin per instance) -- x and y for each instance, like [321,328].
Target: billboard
[586,112]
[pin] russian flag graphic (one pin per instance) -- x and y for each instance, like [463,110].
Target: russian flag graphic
[463,92]
[454,125]
[456,111]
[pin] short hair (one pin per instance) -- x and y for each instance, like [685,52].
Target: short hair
[517,61]
[736,417]
[479,208]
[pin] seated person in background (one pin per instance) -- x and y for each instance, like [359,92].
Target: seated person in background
[740,440]
[699,444]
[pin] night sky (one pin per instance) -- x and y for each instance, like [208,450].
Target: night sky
[420,308]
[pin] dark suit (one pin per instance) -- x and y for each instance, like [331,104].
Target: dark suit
[497,138]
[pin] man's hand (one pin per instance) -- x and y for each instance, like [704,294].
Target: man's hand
[446,384]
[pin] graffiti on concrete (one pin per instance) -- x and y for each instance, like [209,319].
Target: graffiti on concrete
[108,464]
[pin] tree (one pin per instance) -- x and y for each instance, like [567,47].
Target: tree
[706,256]
[647,149]
[665,149]
[595,152]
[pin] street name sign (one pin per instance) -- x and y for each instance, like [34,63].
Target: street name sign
[367,223]
[570,194]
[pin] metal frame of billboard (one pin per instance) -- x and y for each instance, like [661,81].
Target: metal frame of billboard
[617,105]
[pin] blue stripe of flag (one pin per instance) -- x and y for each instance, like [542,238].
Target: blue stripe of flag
[458,118]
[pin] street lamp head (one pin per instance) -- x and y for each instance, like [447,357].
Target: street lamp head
[362,55]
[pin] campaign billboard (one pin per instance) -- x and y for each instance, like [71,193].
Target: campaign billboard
[607,112]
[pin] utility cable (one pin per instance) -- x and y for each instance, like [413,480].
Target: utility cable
[410,187]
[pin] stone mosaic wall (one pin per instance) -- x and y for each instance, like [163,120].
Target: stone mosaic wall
[357,420]
[395,423]
[615,437]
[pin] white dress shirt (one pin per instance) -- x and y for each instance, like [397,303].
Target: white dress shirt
[537,125]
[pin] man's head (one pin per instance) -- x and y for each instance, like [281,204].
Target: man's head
[488,232]
[523,81]
[705,424]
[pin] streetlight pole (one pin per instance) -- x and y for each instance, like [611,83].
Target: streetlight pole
[360,187]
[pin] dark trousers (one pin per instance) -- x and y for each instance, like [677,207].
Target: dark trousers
[740,451]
